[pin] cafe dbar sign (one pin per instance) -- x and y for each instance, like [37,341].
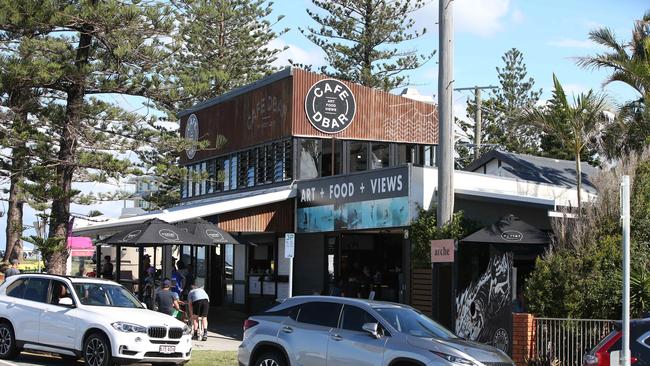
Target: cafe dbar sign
[330,106]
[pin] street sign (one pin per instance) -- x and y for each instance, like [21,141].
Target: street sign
[289,244]
[442,251]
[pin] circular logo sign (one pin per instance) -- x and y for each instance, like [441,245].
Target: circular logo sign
[192,134]
[512,235]
[330,106]
[168,235]
[214,235]
[132,235]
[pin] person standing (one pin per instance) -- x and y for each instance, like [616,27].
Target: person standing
[13,270]
[165,301]
[107,268]
[199,302]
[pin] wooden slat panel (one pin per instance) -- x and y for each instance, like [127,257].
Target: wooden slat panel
[380,116]
[258,116]
[421,294]
[269,218]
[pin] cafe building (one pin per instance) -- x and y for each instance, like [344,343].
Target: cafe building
[344,167]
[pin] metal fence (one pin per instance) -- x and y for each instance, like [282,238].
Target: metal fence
[568,340]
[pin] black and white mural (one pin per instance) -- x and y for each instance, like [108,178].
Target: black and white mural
[484,308]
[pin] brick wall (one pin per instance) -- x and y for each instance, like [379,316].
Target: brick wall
[523,338]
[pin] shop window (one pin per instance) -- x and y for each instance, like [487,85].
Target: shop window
[327,167]
[234,165]
[380,155]
[190,181]
[358,156]
[226,174]
[309,155]
[406,154]
[197,179]
[204,178]
[219,175]
[338,156]
[269,160]
[429,155]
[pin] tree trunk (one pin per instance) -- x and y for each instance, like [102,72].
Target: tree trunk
[579,181]
[14,230]
[67,154]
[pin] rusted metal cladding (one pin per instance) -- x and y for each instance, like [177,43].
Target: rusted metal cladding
[269,218]
[380,116]
[255,117]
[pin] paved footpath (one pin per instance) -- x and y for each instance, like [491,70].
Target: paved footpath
[224,334]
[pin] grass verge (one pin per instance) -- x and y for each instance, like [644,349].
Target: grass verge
[213,358]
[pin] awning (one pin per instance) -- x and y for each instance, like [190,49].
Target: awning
[181,213]
[509,230]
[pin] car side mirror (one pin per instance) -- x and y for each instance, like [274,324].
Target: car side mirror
[66,301]
[372,329]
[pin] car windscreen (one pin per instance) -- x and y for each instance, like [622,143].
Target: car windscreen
[411,322]
[102,294]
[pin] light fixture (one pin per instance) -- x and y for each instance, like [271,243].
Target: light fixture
[358,156]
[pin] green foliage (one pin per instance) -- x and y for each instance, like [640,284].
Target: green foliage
[584,280]
[362,38]
[47,246]
[502,112]
[424,229]
[628,63]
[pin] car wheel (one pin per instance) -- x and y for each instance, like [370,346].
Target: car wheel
[270,359]
[8,348]
[97,350]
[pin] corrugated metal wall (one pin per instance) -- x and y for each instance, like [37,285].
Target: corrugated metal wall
[380,116]
[268,218]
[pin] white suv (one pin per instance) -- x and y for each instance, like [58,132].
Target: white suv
[89,318]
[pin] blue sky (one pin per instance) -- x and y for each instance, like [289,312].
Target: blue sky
[550,34]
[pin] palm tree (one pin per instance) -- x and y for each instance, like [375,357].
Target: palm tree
[629,63]
[576,124]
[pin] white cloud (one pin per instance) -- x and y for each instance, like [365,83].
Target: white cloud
[314,56]
[572,43]
[518,16]
[483,18]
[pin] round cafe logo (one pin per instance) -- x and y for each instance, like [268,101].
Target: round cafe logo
[512,235]
[168,235]
[330,106]
[214,234]
[192,134]
[132,235]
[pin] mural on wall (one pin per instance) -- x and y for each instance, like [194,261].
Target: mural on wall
[484,308]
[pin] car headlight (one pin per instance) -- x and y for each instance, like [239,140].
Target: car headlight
[187,330]
[129,327]
[455,359]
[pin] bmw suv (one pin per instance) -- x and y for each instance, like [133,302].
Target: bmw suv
[94,319]
[323,330]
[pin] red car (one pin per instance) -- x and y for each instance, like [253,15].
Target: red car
[607,352]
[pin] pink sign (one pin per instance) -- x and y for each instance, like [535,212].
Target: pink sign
[442,251]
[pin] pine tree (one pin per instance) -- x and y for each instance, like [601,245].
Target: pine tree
[93,48]
[363,40]
[223,44]
[502,112]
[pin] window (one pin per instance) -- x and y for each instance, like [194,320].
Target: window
[358,156]
[429,153]
[325,314]
[233,171]
[353,318]
[291,312]
[327,167]
[380,155]
[406,154]
[309,155]
[197,180]
[59,291]
[204,178]
[414,323]
[16,289]
[36,289]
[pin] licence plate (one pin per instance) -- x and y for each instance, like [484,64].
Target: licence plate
[167,349]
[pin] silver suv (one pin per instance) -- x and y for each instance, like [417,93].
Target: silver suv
[323,330]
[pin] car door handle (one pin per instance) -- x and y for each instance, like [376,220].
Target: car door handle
[336,337]
[287,329]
